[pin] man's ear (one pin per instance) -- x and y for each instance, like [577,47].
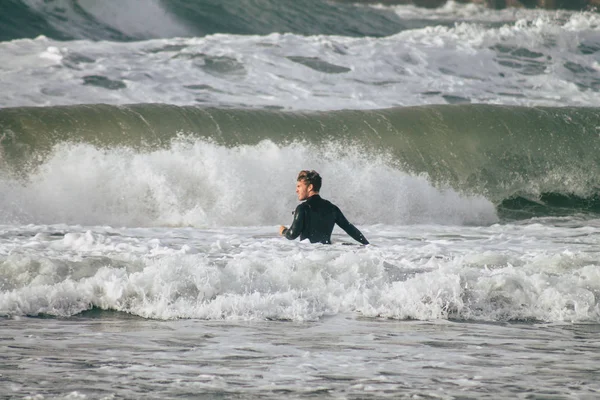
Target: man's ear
[310,187]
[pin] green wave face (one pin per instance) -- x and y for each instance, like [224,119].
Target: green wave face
[527,161]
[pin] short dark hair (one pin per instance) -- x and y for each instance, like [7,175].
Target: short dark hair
[311,178]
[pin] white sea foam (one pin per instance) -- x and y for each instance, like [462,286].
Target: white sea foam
[538,58]
[453,11]
[420,272]
[205,185]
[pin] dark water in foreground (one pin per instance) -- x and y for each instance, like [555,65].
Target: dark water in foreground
[104,356]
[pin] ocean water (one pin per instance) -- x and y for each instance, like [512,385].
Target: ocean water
[148,155]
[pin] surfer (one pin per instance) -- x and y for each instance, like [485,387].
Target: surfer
[315,218]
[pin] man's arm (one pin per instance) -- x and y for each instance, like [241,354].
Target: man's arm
[297,224]
[350,229]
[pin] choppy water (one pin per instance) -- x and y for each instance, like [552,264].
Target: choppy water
[338,357]
[459,54]
[139,255]
[499,311]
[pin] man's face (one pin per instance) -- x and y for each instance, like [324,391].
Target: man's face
[302,189]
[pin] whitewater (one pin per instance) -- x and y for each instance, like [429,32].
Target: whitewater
[148,155]
[538,58]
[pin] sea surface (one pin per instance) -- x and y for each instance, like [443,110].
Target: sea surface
[148,155]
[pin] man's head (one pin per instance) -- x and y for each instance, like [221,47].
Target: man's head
[308,184]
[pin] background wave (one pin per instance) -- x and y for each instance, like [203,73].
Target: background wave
[526,161]
[134,20]
[125,20]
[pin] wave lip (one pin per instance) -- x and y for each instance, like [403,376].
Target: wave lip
[84,19]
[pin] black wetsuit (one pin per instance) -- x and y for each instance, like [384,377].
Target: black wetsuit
[314,219]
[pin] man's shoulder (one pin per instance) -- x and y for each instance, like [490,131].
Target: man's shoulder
[302,206]
[327,203]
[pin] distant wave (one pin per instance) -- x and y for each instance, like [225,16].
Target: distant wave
[134,20]
[526,161]
[126,20]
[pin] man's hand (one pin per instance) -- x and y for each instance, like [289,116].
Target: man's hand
[281,229]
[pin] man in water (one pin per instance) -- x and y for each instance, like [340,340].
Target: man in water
[314,219]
